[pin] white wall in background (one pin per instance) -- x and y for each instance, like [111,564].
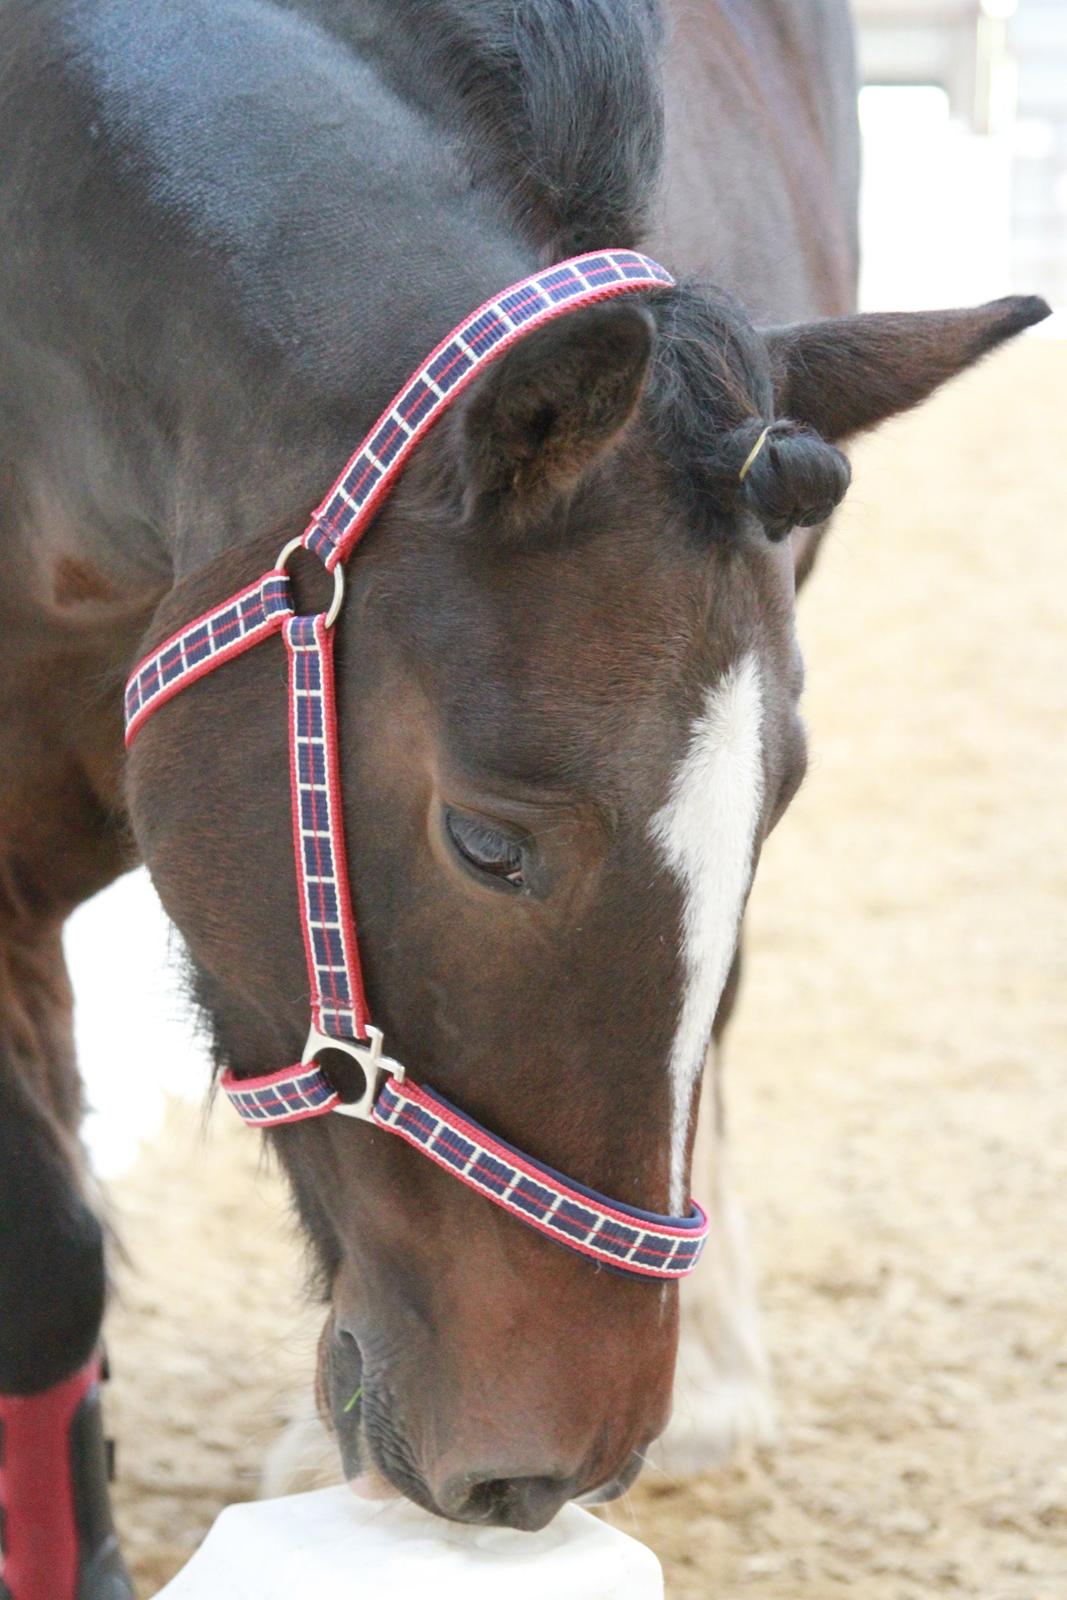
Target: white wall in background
[936,204]
[134,1032]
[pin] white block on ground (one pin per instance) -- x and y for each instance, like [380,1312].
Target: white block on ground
[335,1545]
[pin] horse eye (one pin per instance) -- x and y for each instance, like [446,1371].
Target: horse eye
[487,849]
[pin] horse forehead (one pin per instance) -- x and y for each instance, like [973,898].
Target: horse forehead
[592,667]
[641,738]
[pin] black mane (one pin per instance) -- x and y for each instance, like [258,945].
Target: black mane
[557,103]
[710,397]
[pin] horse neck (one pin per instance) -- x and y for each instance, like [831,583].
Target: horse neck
[259,252]
[273,425]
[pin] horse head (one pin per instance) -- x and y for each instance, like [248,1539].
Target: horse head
[568,696]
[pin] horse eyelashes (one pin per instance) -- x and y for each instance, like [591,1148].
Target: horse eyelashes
[488,849]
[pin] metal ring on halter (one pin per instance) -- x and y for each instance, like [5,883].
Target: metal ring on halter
[338,577]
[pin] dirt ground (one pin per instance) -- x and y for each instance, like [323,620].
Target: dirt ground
[898,1095]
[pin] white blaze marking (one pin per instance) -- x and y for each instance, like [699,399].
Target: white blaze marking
[705,832]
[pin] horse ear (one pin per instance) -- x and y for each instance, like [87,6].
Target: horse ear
[846,374]
[549,408]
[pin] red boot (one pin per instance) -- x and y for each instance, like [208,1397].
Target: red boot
[56,1532]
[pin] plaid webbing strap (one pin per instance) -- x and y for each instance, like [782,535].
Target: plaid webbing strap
[340,521]
[607,1231]
[638,1242]
[620,1236]
[204,644]
[335,977]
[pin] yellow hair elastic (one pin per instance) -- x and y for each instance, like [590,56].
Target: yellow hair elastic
[752,454]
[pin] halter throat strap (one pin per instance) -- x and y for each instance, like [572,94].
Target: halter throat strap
[624,1238]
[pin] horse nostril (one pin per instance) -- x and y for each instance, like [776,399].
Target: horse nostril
[525,1503]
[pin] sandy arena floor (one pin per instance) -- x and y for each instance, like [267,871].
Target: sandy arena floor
[899,1091]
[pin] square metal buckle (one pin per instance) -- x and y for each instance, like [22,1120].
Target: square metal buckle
[367,1053]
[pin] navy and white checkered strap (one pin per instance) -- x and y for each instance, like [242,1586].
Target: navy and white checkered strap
[607,1231]
[335,977]
[357,495]
[240,622]
[342,518]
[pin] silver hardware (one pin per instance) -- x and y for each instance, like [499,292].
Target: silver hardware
[338,577]
[368,1056]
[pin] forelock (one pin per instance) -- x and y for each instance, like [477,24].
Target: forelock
[709,390]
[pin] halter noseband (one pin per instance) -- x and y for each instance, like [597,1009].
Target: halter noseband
[622,1237]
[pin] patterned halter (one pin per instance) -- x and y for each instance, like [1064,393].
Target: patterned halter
[635,1242]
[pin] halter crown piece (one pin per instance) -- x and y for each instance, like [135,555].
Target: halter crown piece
[639,1243]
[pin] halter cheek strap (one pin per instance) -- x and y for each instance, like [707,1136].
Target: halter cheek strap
[606,1231]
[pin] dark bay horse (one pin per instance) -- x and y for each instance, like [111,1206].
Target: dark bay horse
[568,675]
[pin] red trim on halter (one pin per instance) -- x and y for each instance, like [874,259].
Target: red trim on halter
[146,690]
[436,1105]
[338,1000]
[606,1231]
[654,276]
[291,1094]
[619,1236]
[40,1560]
